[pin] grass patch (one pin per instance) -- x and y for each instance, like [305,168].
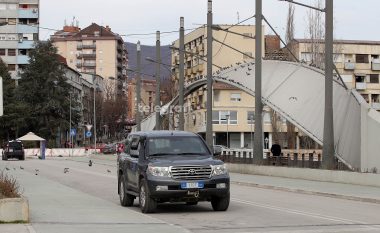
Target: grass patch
[9,187]
[14,222]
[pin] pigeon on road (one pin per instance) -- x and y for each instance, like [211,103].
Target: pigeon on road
[108,171]
[6,168]
[22,168]
[66,170]
[37,171]
[90,163]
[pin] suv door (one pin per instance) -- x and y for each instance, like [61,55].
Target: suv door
[132,162]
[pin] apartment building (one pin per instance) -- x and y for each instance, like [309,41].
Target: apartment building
[148,95]
[19,23]
[358,62]
[95,50]
[233,109]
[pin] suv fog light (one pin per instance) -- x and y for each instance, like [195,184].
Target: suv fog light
[221,186]
[161,188]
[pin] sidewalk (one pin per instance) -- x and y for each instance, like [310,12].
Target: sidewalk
[336,190]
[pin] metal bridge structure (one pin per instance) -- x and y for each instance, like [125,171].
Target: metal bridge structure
[296,92]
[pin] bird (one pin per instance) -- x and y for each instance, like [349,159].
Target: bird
[108,171]
[66,170]
[37,171]
[247,73]
[90,163]
[249,69]
[22,168]
[6,168]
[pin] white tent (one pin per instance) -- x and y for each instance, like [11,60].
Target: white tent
[31,137]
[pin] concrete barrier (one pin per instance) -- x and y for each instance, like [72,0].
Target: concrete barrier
[14,210]
[345,177]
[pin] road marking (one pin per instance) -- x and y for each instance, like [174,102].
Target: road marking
[344,230]
[304,213]
[30,228]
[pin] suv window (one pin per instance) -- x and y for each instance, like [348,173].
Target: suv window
[15,145]
[176,146]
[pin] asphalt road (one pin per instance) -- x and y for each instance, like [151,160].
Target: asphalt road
[251,209]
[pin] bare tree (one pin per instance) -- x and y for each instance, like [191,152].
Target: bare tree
[290,24]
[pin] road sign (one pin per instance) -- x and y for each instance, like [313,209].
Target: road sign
[88,127]
[73,132]
[88,134]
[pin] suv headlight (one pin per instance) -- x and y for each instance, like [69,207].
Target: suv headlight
[218,170]
[159,171]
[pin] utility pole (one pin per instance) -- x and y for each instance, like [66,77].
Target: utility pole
[138,87]
[181,74]
[209,131]
[328,161]
[71,140]
[158,80]
[94,85]
[258,137]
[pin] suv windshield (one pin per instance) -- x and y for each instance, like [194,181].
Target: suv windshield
[15,145]
[177,146]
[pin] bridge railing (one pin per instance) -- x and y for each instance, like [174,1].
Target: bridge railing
[289,158]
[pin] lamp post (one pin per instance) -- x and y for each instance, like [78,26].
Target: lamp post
[228,118]
[251,121]
[94,111]
[71,141]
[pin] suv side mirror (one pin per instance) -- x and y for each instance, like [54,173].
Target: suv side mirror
[134,153]
[134,145]
[217,151]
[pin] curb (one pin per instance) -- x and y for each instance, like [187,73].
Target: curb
[308,192]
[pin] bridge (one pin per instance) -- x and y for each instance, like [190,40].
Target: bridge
[296,92]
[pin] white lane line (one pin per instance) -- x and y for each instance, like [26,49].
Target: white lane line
[335,230]
[30,228]
[304,213]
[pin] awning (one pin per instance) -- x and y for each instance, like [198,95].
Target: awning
[31,137]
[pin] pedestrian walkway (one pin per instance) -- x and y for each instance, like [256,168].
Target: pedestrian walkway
[345,191]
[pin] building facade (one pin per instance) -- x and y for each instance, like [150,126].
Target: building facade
[358,63]
[233,109]
[148,95]
[95,50]
[19,23]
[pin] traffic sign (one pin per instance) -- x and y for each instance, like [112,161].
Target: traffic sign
[73,132]
[88,134]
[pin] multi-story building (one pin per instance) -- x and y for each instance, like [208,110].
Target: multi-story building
[232,108]
[19,23]
[148,95]
[358,63]
[95,50]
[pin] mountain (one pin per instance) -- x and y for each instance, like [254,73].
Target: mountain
[148,67]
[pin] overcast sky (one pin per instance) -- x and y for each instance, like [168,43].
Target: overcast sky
[354,19]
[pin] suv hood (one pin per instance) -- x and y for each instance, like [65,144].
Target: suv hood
[181,160]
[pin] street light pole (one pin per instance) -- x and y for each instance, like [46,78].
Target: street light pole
[94,112]
[258,141]
[209,131]
[328,161]
[138,87]
[228,118]
[251,121]
[181,80]
[71,141]
[158,80]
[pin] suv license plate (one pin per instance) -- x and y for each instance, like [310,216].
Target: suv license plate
[192,185]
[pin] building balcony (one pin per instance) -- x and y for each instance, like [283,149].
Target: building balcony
[361,86]
[22,59]
[25,44]
[28,13]
[120,47]
[86,46]
[349,66]
[375,105]
[24,28]
[89,64]
[376,66]
[119,56]
[86,55]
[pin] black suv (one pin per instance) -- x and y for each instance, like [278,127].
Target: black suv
[13,149]
[171,166]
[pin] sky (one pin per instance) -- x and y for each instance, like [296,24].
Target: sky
[353,19]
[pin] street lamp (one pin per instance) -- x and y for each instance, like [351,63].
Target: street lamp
[227,118]
[71,140]
[251,121]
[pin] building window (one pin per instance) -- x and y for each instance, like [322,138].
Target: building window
[2,52]
[12,21]
[216,95]
[247,55]
[251,117]
[375,98]
[362,58]
[220,117]
[11,52]
[235,97]
[35,36]
[22,52]
[11,67]
[374,78]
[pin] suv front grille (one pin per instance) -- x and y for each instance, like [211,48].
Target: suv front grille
[191,172]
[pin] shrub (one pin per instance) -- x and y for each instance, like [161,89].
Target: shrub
[9,187]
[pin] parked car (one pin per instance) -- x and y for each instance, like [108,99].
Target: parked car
[109,149]
[220,147]
[13,149]
[171,166]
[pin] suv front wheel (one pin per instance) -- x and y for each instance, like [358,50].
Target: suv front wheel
[220,203]
[147,204]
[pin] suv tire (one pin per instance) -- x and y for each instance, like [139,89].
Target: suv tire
[5,157]
[220,203]
[147,204]
[125,198]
